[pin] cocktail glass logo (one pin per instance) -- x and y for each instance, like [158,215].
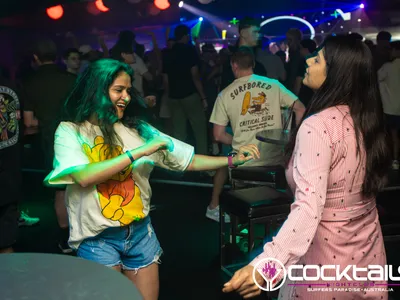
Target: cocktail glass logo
[270,269]
[273,271]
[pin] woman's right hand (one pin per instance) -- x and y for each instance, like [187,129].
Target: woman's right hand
[158,143]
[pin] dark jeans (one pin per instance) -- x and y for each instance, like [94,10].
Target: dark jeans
[190,108]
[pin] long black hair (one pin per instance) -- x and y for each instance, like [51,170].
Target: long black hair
[90,96]
[351,80]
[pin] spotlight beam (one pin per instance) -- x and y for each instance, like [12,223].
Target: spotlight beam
[312,30]
[201,13]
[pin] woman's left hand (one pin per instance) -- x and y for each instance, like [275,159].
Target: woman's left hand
[243,283]
[245,154]
[151,101]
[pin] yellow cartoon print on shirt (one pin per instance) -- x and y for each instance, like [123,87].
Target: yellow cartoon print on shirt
[119,196]
[254,103]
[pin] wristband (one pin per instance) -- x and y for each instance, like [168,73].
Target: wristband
[230,162]
[130,156]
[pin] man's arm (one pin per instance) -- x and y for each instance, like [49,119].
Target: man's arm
[383,73]
[199,86]
[221,136]
[288,99]
[298,109]
[103,46]
[197,81]
[297,85]
[30,120]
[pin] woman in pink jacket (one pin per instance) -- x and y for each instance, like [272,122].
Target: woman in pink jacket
[337,162]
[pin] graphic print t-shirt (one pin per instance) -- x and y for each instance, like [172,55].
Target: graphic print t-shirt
[252,104]
[9,124]
[122,199]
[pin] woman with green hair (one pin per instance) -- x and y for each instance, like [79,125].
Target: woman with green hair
[106,164]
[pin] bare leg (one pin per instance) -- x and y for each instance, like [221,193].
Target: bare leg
[61,209]
[117,268]
[220,177]
[146,280]
[62,218]
[396,143]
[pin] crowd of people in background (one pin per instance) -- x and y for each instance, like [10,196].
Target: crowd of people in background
[175,88]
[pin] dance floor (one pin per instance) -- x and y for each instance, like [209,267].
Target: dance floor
[190,265]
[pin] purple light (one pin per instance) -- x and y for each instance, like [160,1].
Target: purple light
[362,6]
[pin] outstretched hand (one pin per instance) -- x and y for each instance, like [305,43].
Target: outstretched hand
[243,283]
[245,154]
[159,143]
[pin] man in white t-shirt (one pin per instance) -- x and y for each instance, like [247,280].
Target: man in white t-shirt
[250,104]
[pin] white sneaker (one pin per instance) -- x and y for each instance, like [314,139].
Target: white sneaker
[213,214]
[395,165]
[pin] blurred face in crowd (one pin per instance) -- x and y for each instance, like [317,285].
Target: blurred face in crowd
[292,41]
[316,71]
[73,61]
[273,48]
[283,46]
[250,36]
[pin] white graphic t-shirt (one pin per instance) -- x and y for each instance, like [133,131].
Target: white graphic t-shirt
[122,199]
[252,104]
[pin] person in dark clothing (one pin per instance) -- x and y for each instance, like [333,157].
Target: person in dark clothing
[249,36]
[282,55]
[10,164]
[187,99]
[308,47]
[296,60]
[72,60]
[382,53]
[44,95]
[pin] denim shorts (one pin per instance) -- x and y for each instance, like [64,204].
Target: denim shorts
[132,247]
